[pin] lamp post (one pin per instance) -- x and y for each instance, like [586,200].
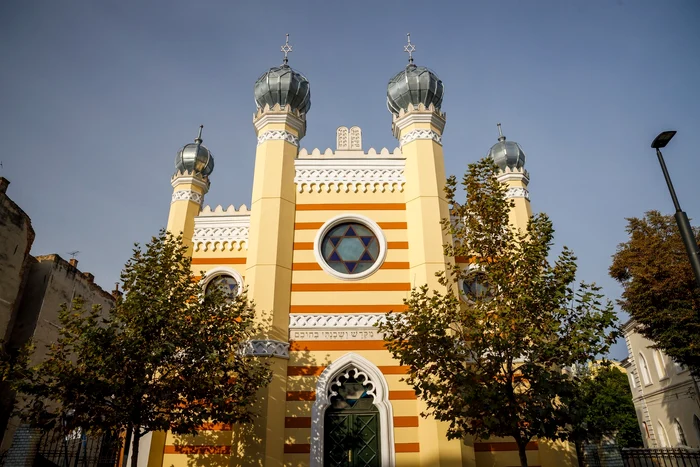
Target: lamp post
[691,246]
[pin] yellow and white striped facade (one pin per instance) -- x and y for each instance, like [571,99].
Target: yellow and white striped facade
[318,325]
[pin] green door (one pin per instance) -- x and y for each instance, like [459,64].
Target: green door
[351,433]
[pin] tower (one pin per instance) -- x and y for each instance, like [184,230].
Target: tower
[414,97]
[510,159]
[193,165]
[282,96]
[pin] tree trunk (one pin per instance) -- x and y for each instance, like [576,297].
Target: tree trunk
[127,445]
[135,450]
[522,445]
[579,452]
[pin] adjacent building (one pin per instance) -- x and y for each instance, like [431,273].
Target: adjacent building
[32,290]
[665,394]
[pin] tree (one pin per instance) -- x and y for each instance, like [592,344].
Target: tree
[603,409]
[492,366]
[167,356]
[660,292]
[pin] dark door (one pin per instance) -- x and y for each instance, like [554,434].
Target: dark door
[351,426]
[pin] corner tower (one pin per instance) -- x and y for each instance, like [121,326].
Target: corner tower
[510,159]
[193,165]
[282,96]
[414,97]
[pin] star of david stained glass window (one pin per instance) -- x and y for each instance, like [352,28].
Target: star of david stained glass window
[227,284]
[350,248]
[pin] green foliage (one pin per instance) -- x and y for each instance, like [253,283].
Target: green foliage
[660,292]
[492,367]
[165,357]
[603,408]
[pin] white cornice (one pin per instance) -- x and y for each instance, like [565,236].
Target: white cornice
[316,175]
[190,179]
[271,117]
[221,233]
[518,175]
[417,116]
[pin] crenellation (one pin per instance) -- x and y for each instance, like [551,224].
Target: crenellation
[229,211]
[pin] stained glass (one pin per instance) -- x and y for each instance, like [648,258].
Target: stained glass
[350,248]
[227,284]
[475,286]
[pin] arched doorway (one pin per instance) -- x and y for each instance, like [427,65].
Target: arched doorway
[351,397]
[351,426]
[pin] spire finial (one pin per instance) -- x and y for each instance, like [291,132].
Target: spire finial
[500,133]
[199,136]
[286,48]
[409,48]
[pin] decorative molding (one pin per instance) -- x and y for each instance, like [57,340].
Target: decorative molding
[221,232]
[420,134]
[518,192]
[276,114]
[267,348]
[187,195]
[189,178]
[333,320]
[380,392]
[514,175]
[420,114]
[283,135]
[359,374]
[360,175]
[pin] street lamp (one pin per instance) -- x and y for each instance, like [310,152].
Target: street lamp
[691,246]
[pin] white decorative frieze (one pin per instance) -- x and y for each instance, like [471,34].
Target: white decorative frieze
[278,135]
[267,348]
[335,320]
[221,233]
[420,134]
[361,175]
[335,326]
[187,195]
[518,192]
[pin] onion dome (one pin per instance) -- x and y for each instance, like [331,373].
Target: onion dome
[414,85]
[195,157]
[507,153]
[284,86]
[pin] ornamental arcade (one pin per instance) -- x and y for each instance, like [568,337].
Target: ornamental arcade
[330,243]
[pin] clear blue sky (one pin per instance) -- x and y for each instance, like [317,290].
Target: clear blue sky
[97,96]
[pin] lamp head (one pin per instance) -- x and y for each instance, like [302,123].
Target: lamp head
[662,140]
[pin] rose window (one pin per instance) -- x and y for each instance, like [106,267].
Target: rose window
[350,248]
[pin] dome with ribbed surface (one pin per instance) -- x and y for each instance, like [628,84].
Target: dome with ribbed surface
[507,154]
[284,86]
[195,157]
[414,85]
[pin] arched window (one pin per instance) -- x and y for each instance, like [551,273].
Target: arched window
[659,363]
[696,425]
[646,430]
[644,369]
[662,436]
[633,383]
[680,436]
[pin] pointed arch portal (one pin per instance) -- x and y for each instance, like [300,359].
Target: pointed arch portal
[352,396]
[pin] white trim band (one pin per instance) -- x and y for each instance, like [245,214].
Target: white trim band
[187,195]
[359,320]
[420,134]
[267,348]
[278,135]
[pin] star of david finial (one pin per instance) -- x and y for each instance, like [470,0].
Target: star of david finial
[409,48]
[286,48]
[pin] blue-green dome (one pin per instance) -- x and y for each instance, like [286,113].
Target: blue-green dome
[414,85]
[284,86]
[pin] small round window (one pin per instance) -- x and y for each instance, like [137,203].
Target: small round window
[476,287]
[350,248]
[226,283]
